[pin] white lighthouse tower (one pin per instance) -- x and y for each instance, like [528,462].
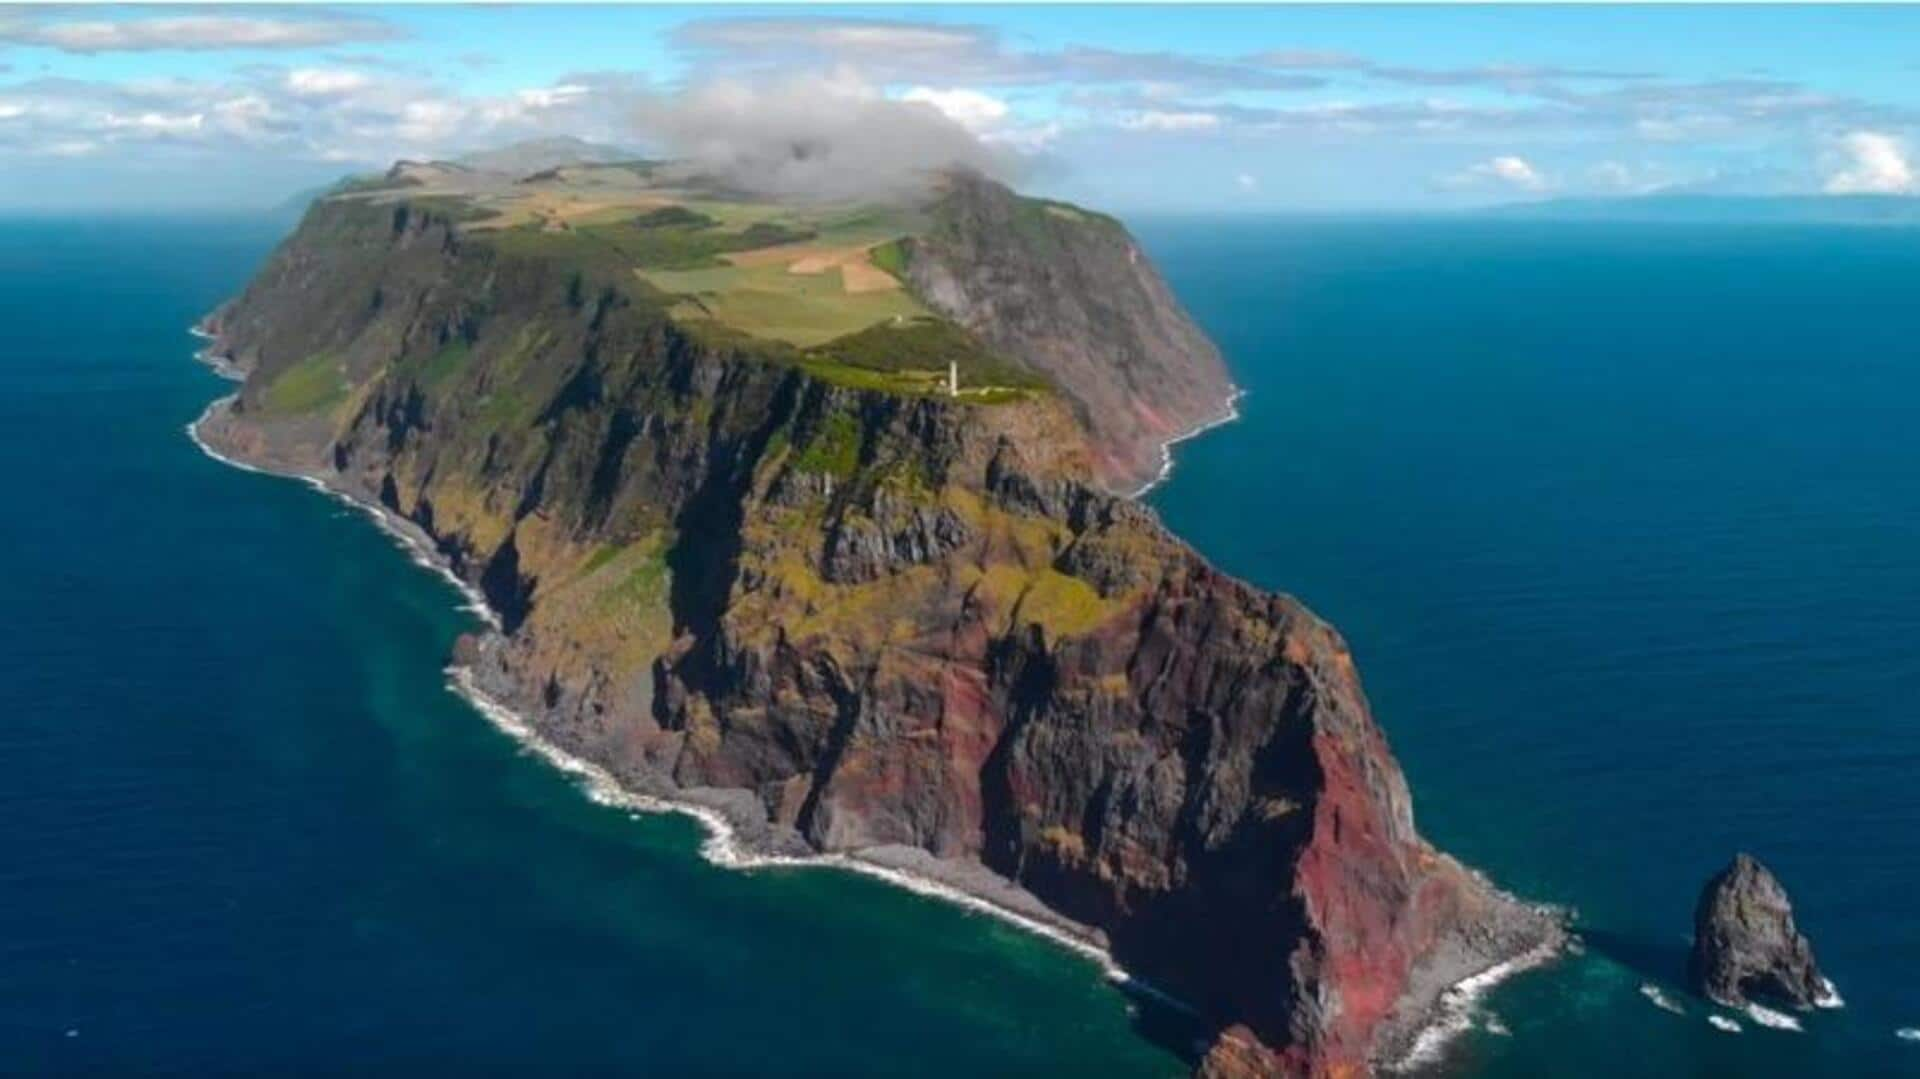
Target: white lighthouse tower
[953,378]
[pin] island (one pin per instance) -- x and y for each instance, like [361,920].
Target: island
[815,520]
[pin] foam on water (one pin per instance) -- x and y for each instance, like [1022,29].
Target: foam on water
[221,365]
[1454,1012]
[1829,995]
[404,533]
[419,551]
[193,432]
[1908,1034]
[1767,1017]
[1231,414]
[1660,999]
[721,846]
[1721,1022]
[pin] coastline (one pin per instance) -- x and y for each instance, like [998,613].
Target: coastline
[1432,1025]
[1229,414]
[724,844]
[411,539]
[1452,1014]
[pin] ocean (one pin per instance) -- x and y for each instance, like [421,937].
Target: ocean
[249,829]
[1620,523]
[1616,518]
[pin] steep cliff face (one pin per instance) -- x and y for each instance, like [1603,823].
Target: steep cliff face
[880,619]
[1069,291]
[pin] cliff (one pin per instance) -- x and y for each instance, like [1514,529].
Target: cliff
[1070,292]
[862,615]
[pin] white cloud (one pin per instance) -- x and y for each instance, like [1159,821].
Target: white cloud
[1027,138]
[1517,171]
[989,118]
[1312,60]
[1876,164]
[1161,120]
[892,51]
[305,114]
[156,123]
[1506,170]
[1247,182]
[196,32]
[549,97]
[971,109]
[823,136]
[841,34]
[1620,178]
[429,123]
[322,81]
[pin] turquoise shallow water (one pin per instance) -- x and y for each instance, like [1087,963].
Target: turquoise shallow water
[1620,523]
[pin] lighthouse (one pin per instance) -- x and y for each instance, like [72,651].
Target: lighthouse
[953,378]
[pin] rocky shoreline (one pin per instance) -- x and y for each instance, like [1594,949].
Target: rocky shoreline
[1437,1007]
[906,636]
[739,836]
[1230,413]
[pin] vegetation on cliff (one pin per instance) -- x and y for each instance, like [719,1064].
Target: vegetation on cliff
[877,297]
[882,615]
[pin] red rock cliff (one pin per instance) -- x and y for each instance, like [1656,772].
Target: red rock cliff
[879,621]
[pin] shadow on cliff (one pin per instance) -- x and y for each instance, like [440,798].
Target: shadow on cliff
[1168,1026]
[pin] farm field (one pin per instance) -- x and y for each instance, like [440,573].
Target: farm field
[825,279]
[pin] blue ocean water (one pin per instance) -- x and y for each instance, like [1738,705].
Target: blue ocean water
[247,830]
[1619,522]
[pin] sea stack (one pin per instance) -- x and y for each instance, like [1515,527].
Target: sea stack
[1745,944]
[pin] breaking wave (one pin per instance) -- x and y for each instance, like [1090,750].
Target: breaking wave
[1661,999]
[1767,1017]
[1454,1012]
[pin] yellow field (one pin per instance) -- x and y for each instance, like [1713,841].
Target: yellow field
[803,293]
[770,300]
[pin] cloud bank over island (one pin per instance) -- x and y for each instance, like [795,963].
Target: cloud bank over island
[822,137]
[1124,106]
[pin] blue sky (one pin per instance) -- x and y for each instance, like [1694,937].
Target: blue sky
[1232,108]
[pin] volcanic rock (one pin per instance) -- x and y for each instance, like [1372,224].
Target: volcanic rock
[1745,944]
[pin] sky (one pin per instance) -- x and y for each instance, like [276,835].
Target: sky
[1256,109]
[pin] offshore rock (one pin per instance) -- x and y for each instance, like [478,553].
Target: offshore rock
[1745,944]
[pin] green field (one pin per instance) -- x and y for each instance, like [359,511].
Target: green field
[912,356]
[769,301]
[828,280]
[312,384]
[765,298]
